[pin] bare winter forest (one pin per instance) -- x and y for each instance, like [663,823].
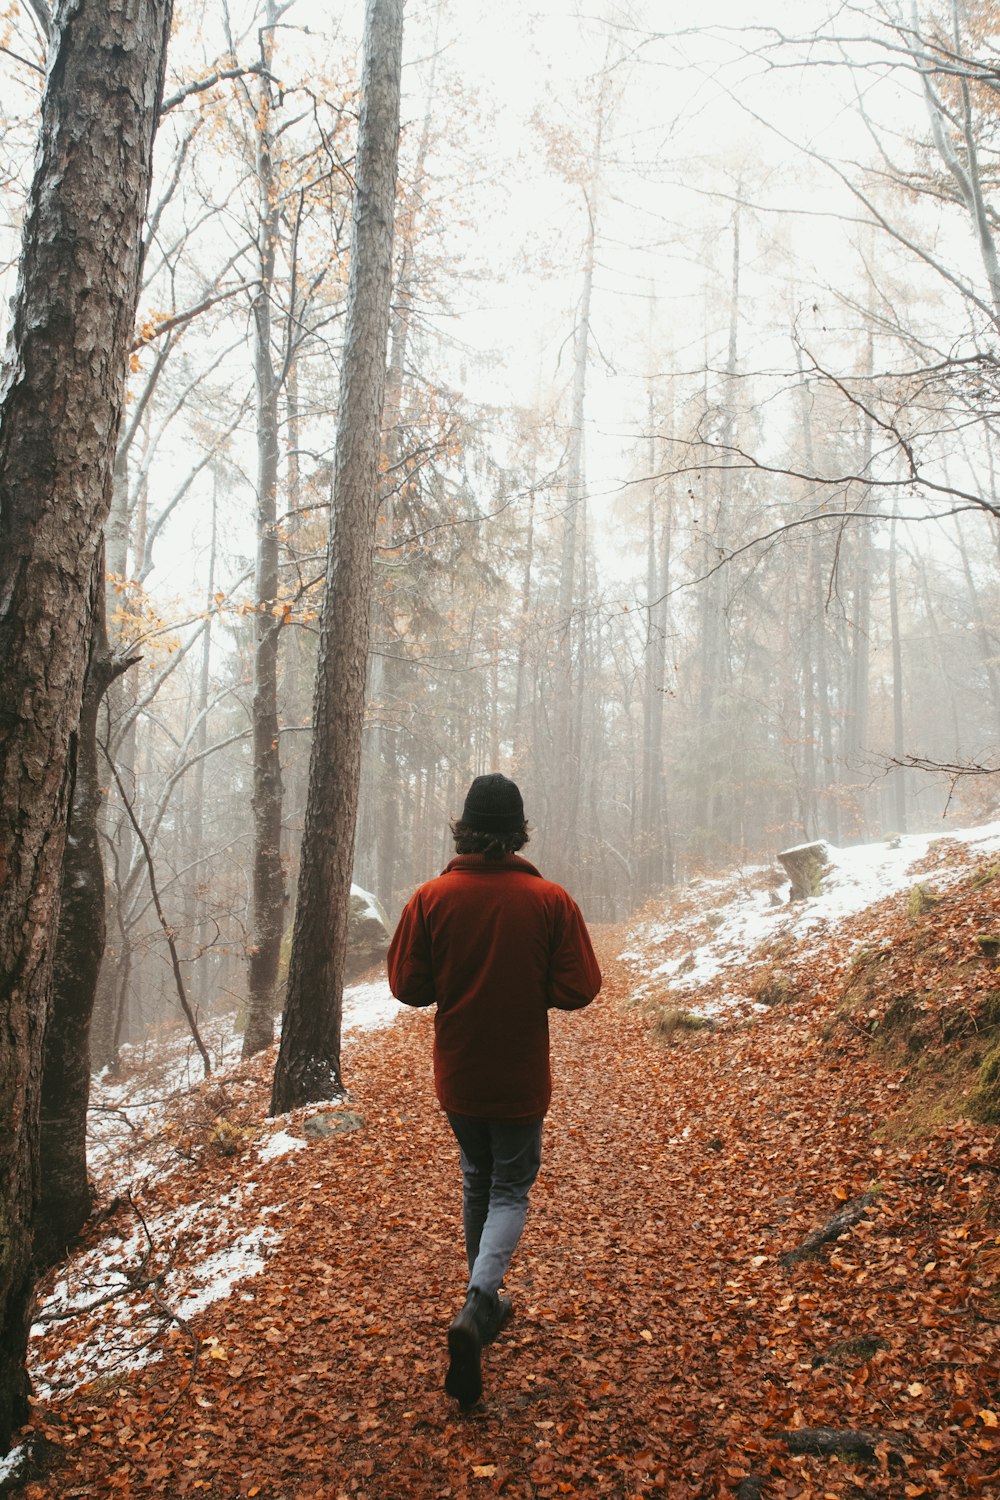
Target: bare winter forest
[682,493]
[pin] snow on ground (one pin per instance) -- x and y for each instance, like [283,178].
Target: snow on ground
[124,1294]
[11,1465]
[368,1006]
[717,925]
[279,1144]
[127,1110]
[132,1287]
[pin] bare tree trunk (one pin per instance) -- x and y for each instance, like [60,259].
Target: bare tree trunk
[898,735]
[566,745]
[986,643]
[520,733]
[309,1058]
[380,799]
[267,872]
[713,790]
[653,864]
[196,824]
[947,677]
[59,418]
[855,733]
[64,1202]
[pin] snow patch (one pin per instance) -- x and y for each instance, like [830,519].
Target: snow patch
[129,1290]
[369,1006]
[11,1466]
[279,1144]
[123,1296]
[725,923]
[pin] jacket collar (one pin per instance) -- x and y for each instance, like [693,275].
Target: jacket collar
[484,866]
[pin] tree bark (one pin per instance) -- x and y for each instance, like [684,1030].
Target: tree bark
[60,412]
[898,733]
[308,1065]
[268,875]
[713,791]
[566,747]
[65,1199]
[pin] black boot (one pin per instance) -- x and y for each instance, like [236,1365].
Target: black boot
[466,1337]
[500,1316]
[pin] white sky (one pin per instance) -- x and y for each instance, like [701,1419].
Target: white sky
[687,135]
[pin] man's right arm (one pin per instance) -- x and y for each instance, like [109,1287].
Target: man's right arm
[409,958]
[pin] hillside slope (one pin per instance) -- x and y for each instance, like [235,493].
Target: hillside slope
[668,1338]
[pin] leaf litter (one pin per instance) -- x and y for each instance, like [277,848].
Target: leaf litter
[659,1346]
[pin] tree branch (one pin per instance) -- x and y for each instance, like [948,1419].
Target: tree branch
[168,931]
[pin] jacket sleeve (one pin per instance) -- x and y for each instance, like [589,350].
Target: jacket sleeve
[574,976]
[409,958]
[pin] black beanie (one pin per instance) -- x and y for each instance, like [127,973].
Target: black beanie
[493,805]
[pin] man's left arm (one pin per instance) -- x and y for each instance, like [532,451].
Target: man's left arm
[409,958]
[574,975]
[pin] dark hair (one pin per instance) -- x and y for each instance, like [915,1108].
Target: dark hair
[493,845]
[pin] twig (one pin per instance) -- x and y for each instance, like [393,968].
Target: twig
[167,929]
[182,1323]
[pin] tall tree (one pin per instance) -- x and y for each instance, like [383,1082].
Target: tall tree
[308,1064]
[60,411]
[268,875]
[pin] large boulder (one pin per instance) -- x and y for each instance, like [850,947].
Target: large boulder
[367,933]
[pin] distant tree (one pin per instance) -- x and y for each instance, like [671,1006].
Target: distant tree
[308,1064]
[60,411]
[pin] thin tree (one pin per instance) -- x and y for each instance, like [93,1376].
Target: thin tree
[64,1201]
[308,1064]
[60,412]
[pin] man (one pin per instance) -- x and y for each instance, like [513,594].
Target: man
[494,946]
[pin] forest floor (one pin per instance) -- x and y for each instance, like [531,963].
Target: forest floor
[659,1346]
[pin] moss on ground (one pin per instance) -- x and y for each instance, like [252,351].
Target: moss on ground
[669,1020]
[984,1103]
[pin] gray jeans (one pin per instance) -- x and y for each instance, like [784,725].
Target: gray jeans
[500,1161]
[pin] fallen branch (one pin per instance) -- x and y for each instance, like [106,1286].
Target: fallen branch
[182,1323]
[169,1313]
[826,1441]
[852,1213]
[133,1281]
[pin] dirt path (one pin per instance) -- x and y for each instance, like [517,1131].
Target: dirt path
[658,1346]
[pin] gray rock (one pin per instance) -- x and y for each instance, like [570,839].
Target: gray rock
[335,1122]
[367,933]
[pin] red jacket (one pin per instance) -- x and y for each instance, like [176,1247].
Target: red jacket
[494,946]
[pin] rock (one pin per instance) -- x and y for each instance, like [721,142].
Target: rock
[805,866]
[367,933]
[334,1122]
[923,898]
[989,945]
